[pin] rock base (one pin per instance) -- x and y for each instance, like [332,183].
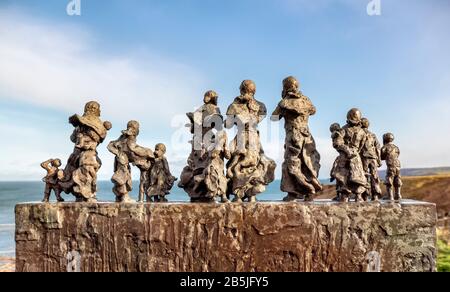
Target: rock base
[262,237]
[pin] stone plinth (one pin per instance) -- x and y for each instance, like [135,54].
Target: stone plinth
[266,236]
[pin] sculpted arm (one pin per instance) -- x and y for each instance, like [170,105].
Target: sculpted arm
[166,167]
[383,153]
[378,147]
[231,117]
[46,164]
[339,144]
[276,115]
[311,108]
[139,151]
[262,113]
[226,149]
[113,147]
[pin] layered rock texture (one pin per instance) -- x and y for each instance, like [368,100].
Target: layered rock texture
[266,236]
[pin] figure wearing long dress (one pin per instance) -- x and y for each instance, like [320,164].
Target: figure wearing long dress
[354,139]
[371,157]
[122,170]
[249,170]
[339,171]
[160,179]
[301,160]
[204,123]
[80,173]
[215,178]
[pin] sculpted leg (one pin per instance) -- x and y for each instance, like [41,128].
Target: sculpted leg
[290,197]
[47,193]
[398,187]
[389,187]
[57,191]
[143,185]
[375,182]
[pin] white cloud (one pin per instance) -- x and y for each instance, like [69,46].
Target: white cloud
[61,67]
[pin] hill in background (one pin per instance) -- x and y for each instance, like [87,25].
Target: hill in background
[421,171]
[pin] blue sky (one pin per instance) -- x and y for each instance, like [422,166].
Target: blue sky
[153,60]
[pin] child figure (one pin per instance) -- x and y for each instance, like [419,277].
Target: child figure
[214,177]
[339,172]
[160,179]
[54,175]
[390,153]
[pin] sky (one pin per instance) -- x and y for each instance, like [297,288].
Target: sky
[152,61]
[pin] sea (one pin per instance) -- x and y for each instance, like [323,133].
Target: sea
[12,193]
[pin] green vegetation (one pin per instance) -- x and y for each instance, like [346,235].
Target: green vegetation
[443,256]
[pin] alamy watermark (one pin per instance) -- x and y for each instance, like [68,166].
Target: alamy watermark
[73,262]
[74,8]
[373,259]
[374,8]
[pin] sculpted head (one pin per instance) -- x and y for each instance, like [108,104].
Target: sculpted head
[132,128]
[365,124]
[56,163]
[335,127]
[291,84]
[354,117]
[107,125]
[388,138]
[92,108]
[248,87]
[211,97]
[160,150]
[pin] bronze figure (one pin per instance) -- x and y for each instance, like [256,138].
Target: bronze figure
[127,151]
[301,160]
[339,171]
[371,157]
[160,179]
[249,170]
[51,180]
[203,178]
[390,153]
[80,173]
[348,169]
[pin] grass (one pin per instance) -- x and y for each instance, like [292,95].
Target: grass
[443,261]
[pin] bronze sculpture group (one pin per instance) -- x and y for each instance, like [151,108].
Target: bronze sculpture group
[355,170]
[237,171]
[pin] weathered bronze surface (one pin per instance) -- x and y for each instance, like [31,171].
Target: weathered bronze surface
[390,153]
[249,170]
[265,236]
[203,178]
[80,173]
[127,151]
[348,169]
[51,180]
[160,179]
[301,160]
[371,157]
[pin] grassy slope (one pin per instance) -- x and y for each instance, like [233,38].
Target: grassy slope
[444,250]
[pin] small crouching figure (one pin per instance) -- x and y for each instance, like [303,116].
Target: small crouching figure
[54,175]
[390,153]
[160,179]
